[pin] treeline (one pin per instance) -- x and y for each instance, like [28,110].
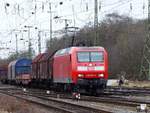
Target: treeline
[123,38]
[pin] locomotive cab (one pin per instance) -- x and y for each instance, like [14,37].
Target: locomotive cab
[91,68]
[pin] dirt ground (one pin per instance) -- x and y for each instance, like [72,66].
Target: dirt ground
[137,84]
[12,105]
[131,84]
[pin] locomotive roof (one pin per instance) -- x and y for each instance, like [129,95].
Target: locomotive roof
[89,48]
[69,50]
[63,51]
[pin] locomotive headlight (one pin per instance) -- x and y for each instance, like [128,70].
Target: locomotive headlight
[80,75]
[101,75]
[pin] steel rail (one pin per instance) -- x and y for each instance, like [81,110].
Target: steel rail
[124,101]
[65,107]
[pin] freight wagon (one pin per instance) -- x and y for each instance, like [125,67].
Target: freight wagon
[19,71]
[41,70]
[3,73]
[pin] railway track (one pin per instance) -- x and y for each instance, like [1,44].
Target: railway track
[109,99]
[53,103]
[108,91]
[127,91]
[113,99]
[120,97]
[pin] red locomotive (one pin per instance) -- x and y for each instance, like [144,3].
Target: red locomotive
[81,67]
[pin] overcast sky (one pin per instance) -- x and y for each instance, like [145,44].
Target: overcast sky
[18,13]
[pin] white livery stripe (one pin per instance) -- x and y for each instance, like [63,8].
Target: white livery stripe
[82,68]
[95,68]
[99,68]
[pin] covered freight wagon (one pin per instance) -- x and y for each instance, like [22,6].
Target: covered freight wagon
[36,67]
[42,69]
[3,73]
[46,66]
[19,71]
[11,73]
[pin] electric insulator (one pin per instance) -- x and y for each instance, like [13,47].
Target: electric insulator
[86,6]
[99,6]
[60,3]
[7,4]
[143,6]
[130,6]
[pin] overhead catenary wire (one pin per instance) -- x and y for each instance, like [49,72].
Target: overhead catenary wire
[83,12]
[80,12]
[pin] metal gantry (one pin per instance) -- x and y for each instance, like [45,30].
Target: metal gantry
[145,64]
[39,42]
[16,36]
[29,45]
[50,21]
[96,21]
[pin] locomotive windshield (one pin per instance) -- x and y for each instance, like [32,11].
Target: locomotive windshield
[90,56]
